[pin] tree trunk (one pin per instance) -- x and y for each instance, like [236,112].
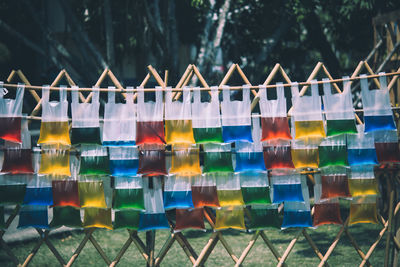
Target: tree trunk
[109,33]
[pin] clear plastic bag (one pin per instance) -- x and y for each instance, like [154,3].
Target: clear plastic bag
[278,156]
[274,121]
[230,217]
[361,148]
[363,209]
[38,191]
[85,119]
[217,158]
[124,161]
[189,219]
[204,191]
[97,218]
[263,217]
[128,193]
[333,151]
[286,185]
[236,116]
[127,219]
[387,146]
[11,114]
[66,216]
[65,193]
[152,161]
[207,127]
[378,113]
[228,190]
[54,128]
[33,216]
[94,160]
[362,181]
[334,182]
[91,194]
[339,111]
[185,160]
[119,121]
[177,192]
[55,162]
[304,155]
[12,189]
[255,188]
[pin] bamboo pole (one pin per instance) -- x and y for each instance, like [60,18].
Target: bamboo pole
[228,75]
[45,236]
[369,69]
[244,77]
[124,248]
[212,241]
[139,244]
[80,247]
[356,247]
[389,222]
[247,249]
[271,247]
[97,84]
[313,246]
[165,248]
[289,249]
[99,249]
[156,76]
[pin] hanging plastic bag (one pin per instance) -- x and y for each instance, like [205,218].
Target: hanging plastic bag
[128,193]
[54,129]
[255,188]
[339,110]
[91,194]
[363,210]
[33,216]
[154,217]
[65,193]
[304,155]
[217,158]
[236,116]
[278,156]
[228,190]
[185,160]
[362,181]
[119,121]
[152,161]
[2,222]
[85,119]
[207,127]
[249,156]
[274,121]
[11,114]
[189,219]
[177,192]
[230,217]
[204,191]
[127,219]
[333,152]
[178,119]
[307,114]
[55,162]
[66,216]
[124,161]
[361,148]
[387,146]
[38,191]
[12,189]
[264,217]
[94,160]
[378,113]
[286,185]
[150,119]
[98,218]
[334,182]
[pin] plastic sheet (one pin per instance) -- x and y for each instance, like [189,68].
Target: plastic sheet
[54,128]
[185,160]
[387,146]
[236,116]
[264,217]
[94,160]
[119,121]
[228,190]
[334,183]
[128,193]
[217,158]
[206,117]
[362,181]
[378,114]
[150,116]
[65,193]
[298,214]
[287,186]
[278,157]
[361,148]
[204,191]
[85,119]
[98,218]
[363,210]
[10,114]
[127,219]
[178,118]
[33,216]
[55,162]
[66,216]
[124,161]
[189,219]
[38,191]
[152,161]
[230,217]
[91,194]
[255,189]
[305,155]
[339,111]
[177,192]
[333,152]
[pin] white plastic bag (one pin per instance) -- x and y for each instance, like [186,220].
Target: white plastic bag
[361,148]
[286,185]
[177,192]
[362,181]
[124,161]
[228,190]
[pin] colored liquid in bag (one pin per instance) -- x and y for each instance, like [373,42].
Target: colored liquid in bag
[152,162]
[236,133]
[307,129]
[85,135]
[153,221]
[217,162]
[91,194]
[332,156]
[297,218]
[33,218]
[54,132]
[305,158]
[66,216]
[178,199]
[127,219]
[230,198]
[185,163]
[226,218]
[327,213]
[17,161]
[129,198]
[10,129]
[98,218]
[56,163]
[207,135]
[256,195]
[119,143]
[287,192]
[189,219]
[205,196]
[361,156]
[264,218]
[360,187]
[336,127]
[2,222]
[94,165]
[278,157]
[376,123]
[179,132]
[12,194]
[126,167]
[249,161]
[65,193]
[275,128]
[363,213]
[334,186]
[150,132]
[38,196]
[387,152]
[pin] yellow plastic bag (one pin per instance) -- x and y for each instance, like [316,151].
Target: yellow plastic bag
[55,162]
[230,217]
[185,160]
[91,194]
[99,218]
[228,190]
[363,210]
